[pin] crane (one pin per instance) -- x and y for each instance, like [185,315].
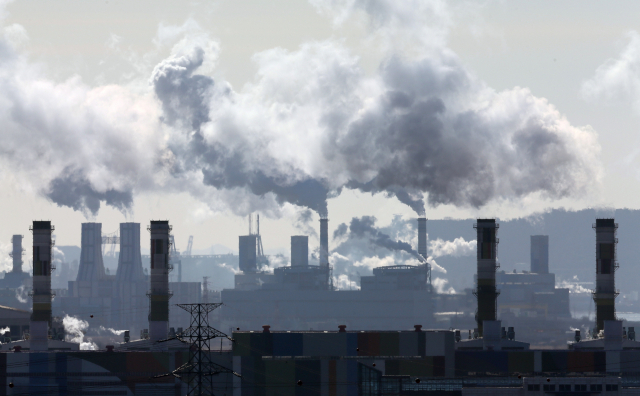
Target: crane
[187,252]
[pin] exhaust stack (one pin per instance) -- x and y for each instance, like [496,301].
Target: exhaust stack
[16,254]
[324,242]
[487,253]
[41,293]
[159,294]
[422,237]
[605,293]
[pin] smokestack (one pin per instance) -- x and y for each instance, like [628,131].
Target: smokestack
[16,253]
[487,253]
[422,237]
[130,259]
[42,257]
[324,242]
[540,254]
[605,294]
[159,294]
[91,265]
[300,251]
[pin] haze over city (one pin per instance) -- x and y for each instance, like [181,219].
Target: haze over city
[305,165]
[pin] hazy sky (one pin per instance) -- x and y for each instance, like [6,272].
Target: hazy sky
[582,57]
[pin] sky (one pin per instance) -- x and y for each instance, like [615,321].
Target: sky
[202,112]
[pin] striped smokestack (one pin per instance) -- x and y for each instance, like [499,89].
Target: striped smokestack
[159,294]
[41,293]
[605,294]
[324,242]
[487,253]
[422,237]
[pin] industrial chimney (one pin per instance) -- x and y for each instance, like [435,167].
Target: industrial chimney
[605,293]
[540,254]
[41,293]
[159,294]
[487,252]
[91,265]
[299,251]
[422,237]
[16,253]
[324,242]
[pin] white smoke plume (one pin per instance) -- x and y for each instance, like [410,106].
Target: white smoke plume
[112,331]
[22,293]
[440,285]
[75,330]
[618,79]
[457,248]
[342,282]
[435,266]
[6,262]
[311,123]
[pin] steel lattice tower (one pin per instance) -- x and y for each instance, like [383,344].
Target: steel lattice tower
[198,372]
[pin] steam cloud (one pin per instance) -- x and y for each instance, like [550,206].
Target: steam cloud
[75,329]
[311,123]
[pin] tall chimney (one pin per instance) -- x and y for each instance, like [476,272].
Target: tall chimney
[42,257]
[605,294]
[299,251]
[422,237]
[487,253]
[540,254]
[16,254]
[324,242]
[159,294]
[91,265]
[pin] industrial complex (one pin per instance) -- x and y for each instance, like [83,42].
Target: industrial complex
[290,331]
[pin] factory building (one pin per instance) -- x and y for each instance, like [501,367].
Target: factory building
[302,297]
[533,294]
[121,300]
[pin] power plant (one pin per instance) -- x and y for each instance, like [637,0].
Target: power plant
[388,337]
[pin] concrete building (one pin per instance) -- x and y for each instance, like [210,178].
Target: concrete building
[300,251]
[540,254]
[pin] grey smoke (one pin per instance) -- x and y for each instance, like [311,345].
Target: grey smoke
[413,199]
[304,222]
[309,124]
[73,190]
[364,228]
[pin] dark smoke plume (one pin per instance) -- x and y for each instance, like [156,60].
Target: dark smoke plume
[364,228]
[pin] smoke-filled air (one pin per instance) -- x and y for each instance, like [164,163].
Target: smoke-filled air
[312,122]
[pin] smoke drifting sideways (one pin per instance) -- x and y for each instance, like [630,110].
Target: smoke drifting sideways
[311,123]
[362,246]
